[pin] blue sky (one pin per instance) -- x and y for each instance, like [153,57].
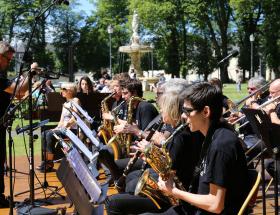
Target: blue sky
[85,5]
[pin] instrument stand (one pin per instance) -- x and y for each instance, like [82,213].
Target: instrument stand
[54,189]
[45,185]
[270,135]
[10,142]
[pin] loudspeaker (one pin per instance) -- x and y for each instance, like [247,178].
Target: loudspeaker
[76,191]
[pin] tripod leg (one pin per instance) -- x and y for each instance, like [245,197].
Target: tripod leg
[56,192]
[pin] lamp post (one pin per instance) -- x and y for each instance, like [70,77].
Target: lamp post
[152,58]
[252,39]
[110,31]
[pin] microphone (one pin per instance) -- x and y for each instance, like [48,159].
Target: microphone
[232,54]
[61,2]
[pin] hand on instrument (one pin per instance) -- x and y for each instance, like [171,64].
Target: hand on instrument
[107,116]
[234,116]
[119,128]
[270,107]
[142,145]
[131,129]
[158,137]
[166,186]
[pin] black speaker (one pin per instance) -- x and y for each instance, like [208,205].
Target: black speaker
[76,191]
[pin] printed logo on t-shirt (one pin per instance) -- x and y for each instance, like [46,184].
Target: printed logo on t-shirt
[203,168]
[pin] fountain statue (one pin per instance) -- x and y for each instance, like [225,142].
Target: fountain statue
[135,48]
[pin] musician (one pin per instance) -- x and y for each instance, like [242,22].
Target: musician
[184,149]
[222,171]
[68,91]
[217,82]
[85,85]
[116,87]
[273,109]
[250,138]
[6,90]
[142,113]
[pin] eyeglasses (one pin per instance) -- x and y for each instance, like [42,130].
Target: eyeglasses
[187,111]
[251,88]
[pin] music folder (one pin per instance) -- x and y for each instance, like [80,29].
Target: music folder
[264,128]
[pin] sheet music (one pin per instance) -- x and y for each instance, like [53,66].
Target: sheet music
[82,111]
[84,175]
[86,129]
[79,144]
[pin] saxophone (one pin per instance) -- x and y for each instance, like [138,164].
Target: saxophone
[106,129]
[128,137]
[160,161]
[123,141]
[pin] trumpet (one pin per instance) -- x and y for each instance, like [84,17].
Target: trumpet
[233,107]
[260,107]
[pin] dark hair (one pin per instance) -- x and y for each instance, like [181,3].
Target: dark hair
[134,86]
[216,82]
[204,94]
[121,76]
[90,86]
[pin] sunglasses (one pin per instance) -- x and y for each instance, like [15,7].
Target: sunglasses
[187,111]
[251,88]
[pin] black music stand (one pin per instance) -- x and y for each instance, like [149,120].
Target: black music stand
[270,134]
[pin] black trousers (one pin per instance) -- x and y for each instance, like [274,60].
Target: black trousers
[116,167]
[2,157]
[123,204]
[176,210]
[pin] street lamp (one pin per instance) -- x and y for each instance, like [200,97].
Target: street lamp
[152,58]
[110,31]
[252,39]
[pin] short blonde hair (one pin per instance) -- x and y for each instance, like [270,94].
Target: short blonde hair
[170,104]
[69,86]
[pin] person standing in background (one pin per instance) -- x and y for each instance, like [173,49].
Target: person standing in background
[238,80]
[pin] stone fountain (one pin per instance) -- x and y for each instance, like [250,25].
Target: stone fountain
[135,49]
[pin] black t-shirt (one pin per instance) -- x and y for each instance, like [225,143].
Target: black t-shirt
[145,113]
[225,166]
[4,97]
[184,150]
[122,111]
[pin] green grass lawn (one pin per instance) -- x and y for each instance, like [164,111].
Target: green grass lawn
[19,144]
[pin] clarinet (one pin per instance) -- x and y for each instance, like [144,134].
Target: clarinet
[120,183]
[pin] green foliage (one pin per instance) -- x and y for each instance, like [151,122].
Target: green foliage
[189,36]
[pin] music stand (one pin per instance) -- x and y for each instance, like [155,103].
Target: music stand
[264,129]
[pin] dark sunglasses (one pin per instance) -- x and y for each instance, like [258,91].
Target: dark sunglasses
[251,88]
[187,111]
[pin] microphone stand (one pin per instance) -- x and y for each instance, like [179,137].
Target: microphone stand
[30,76]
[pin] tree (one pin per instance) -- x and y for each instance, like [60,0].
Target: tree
[65,33]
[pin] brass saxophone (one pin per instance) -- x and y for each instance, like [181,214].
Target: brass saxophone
[106,129]
[128,137]
[160,161]
[122,142]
